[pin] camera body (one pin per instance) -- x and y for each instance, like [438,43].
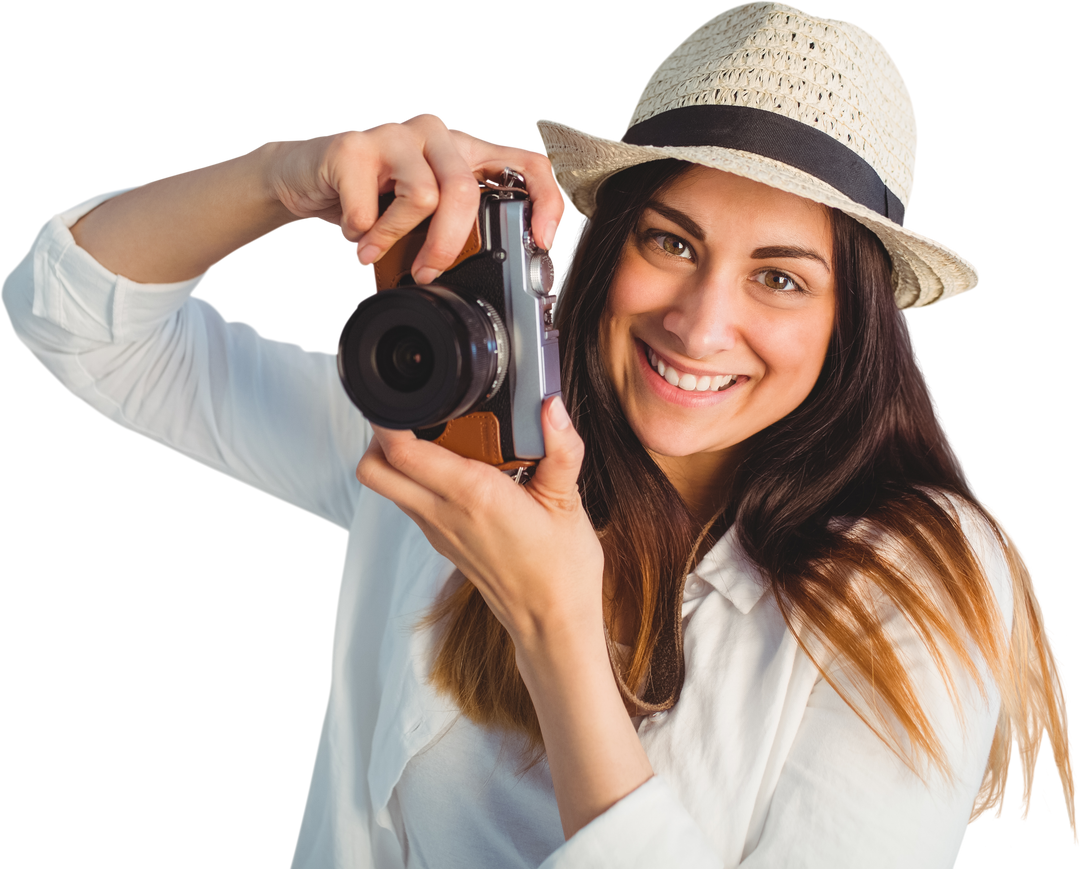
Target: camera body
[468,360]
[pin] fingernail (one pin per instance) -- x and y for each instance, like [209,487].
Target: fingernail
[549,234]
[426,275]
[369,254]
[560,419]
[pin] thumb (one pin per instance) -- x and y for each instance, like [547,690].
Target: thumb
[556,475]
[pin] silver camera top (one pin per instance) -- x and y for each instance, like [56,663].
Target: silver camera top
[511,185]
[528,277]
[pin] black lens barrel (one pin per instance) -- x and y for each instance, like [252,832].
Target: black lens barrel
[416,357]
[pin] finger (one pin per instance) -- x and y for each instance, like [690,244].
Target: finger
[428,177]
[549,204]
[436,469]
[557,474]
[376,472]
[352,173]
[416,195]
[390,438]
[546,197]
[427,510]
[459,201]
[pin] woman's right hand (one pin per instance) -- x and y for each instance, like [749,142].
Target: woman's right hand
[176,228]
[431,170]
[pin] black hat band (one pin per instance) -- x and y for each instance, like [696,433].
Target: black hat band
[767,134]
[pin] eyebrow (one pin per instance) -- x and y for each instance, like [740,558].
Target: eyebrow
[676,216]
[789,253]
[772,252]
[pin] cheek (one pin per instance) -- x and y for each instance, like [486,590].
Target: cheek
[621,300]
[623,305]
[796,355]
[637,288]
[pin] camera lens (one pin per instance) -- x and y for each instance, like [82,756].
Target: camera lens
[417,357]
[404,359]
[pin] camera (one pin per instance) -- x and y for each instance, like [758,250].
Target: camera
[466,361]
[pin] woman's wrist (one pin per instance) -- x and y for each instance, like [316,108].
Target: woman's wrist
[553,646]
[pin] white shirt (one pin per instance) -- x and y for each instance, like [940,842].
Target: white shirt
[760,764]
[467,800]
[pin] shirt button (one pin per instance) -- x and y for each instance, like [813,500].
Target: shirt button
[695,586]
[658,716]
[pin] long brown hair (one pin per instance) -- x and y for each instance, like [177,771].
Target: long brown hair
[821,501]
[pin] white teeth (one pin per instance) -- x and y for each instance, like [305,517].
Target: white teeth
[690,382]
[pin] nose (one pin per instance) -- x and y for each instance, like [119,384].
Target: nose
[704,317]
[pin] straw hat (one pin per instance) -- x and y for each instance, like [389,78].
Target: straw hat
[807,105]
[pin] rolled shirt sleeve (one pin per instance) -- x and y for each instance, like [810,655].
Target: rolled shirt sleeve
[648,827]
[168,366]
[843,798]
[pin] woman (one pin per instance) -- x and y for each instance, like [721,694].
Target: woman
[812,450]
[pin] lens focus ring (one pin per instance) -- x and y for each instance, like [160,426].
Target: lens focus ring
[417,357]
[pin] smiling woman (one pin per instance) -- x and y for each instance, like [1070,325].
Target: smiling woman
[745,611]
[745,304]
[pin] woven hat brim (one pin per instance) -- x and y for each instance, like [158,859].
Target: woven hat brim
[923,270]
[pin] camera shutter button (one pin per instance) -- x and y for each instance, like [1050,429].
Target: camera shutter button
[541,274]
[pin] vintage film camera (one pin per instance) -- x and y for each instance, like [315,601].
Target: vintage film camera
[467,361]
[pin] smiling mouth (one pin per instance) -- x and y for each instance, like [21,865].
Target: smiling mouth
[689,382]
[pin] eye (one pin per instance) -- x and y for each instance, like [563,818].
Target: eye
[672,245]
[779,282]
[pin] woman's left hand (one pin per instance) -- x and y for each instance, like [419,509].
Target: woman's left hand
[534,556]
[530,550]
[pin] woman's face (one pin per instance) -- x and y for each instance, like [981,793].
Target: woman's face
[720,312]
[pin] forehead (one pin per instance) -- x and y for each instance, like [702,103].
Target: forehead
[707,189]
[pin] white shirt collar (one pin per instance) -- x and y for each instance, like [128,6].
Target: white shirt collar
[728,569]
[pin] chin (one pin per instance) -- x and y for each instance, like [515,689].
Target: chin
[675,441]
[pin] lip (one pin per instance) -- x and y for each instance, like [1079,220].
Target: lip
[685,369]
[674,395]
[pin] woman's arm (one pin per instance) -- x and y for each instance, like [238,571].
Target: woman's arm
[168,367]
[593,750]
[175,229]
[532,552]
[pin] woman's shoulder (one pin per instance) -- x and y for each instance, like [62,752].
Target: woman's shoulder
[929,534]
[890,525]
[980,530]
